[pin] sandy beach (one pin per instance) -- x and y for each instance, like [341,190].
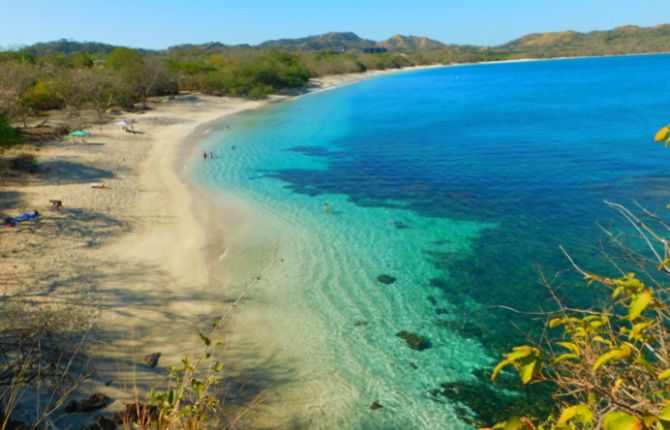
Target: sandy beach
[130,258]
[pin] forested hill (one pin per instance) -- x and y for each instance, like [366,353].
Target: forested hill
[332,41]
[622,40]
[348,41]
[76,75]
[67,47]
[409,43]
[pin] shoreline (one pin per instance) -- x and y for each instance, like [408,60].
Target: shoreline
[131,257]
[204,229]
[263,415]
[199,131]
[149,273]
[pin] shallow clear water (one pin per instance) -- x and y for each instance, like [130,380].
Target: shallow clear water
[459,182]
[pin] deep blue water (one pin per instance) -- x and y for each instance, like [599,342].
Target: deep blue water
[461,182]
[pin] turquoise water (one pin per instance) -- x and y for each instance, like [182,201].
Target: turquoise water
[460,183]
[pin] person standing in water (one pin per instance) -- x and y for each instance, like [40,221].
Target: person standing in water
[204,155]
[326,208]
[211,155]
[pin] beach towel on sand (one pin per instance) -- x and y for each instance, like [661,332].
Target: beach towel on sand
[20,218]
[24,217]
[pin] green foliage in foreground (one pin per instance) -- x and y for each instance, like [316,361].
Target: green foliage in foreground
[611,367]
[8,135]
[186,400]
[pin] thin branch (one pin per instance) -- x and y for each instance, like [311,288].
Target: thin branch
[639,226]
[577,268]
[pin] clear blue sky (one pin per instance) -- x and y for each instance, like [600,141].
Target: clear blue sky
[162,23]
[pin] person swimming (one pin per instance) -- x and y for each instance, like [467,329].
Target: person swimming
[326,208]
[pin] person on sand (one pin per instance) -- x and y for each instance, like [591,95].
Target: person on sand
[326,208]
[204,155]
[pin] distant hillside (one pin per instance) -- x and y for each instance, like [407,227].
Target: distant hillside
[409,43]
[328,41]
[34,75]
[351,41]
[622,40]
[211,48]
[65,46]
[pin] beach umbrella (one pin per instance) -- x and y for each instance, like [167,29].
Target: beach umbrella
[80,133]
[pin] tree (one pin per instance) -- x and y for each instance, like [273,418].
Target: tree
[80,59]
[41,96]
[153,80]
[67,85]
[15,79]
[124,59]
[142,78]
[8,135]
[100,89]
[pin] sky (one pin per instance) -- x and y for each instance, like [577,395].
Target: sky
[158,24]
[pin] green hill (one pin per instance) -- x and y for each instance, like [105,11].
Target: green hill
[409,43]
[622,40]
[65,46]
[328,41]
[69,74]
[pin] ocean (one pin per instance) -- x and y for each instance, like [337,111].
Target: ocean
[449,192]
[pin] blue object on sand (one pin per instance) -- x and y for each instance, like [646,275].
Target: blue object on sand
[80,133]
[24,217]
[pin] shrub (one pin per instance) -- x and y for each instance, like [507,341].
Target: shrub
[260,91]
[212,83]
[8,135]
[277,70]
[42,96]
[124,58]
[79,59]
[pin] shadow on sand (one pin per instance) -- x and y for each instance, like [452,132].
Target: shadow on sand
[8,201]
[63,171]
